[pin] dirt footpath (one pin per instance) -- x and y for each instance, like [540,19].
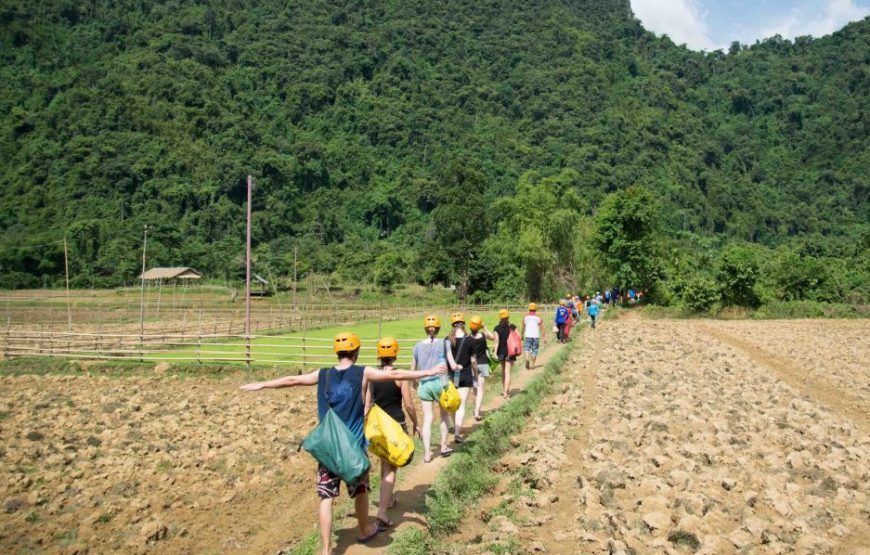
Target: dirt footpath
[681,437]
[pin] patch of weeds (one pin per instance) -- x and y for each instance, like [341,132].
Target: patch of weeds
[4,415]
[411,541]
[35,436]
[509,547]
[687,539]
[67,537]
[94,441]
[504,508]
[106,516]
[164,465]
[32,517]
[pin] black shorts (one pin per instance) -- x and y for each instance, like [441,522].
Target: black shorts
[464,379]
[502,358]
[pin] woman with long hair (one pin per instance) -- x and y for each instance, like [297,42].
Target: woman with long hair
[502,334]
[458,345]
[427,354]
[395,399]
[479,360]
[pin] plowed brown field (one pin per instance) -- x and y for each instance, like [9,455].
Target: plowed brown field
[750,437]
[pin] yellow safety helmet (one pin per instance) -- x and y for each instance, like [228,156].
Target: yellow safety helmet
[388,347]
[475,323]
[533,307]
[345,341]
[431,321]
[503,313]
[457,317]
[562,302]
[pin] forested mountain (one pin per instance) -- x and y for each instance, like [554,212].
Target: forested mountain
[416,138]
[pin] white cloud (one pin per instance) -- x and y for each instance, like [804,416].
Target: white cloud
[682,20]
[834,15]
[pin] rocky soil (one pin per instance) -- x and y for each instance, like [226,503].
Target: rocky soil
[665,439]
[133,465]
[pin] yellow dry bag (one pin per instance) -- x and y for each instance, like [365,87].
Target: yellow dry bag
[387,439]
[450,399]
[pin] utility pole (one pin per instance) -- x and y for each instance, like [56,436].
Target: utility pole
[142,288]
[66,272]
[248,282]
[295,249]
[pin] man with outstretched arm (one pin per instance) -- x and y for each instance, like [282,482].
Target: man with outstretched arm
[348,383]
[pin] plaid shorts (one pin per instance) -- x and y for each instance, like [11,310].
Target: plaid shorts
[328,484]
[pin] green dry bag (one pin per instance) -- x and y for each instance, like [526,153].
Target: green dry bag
[335,447]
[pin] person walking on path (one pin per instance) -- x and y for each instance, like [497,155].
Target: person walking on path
[503,333]
[592,311]
[562,315]
[569,321]
[394,397]
[428,353]
[459,348]
[347,383]
[479,360]
[531,333]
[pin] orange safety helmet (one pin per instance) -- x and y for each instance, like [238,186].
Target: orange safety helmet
[457,317]
[561,302]
[431,321]
[503,313]
[533,307]
[345,341]
[388,347]
[475,323]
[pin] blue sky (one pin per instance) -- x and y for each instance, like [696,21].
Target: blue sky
[712,24]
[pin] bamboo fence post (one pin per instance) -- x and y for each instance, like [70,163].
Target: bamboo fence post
[303,354]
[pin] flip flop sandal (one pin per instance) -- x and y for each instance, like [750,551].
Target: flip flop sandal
[478,418]
[447,452]
[383,524]
[427,458]
[370,537]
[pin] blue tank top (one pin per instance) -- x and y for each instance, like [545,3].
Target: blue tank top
[344,396]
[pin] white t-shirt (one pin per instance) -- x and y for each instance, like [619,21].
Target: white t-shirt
[533,325]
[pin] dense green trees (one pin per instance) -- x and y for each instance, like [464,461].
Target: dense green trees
[470,143]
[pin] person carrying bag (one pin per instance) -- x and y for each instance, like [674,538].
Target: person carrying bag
[340,401]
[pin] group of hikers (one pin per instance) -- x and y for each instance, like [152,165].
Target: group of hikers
[461,358]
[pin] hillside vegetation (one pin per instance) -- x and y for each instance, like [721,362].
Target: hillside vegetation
[511,148]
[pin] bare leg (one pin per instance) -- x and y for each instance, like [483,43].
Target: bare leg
[361,504]
[324,514]
[426,432]
[445,423]
[506,367]
[388,482]
[478,395]
[459,417]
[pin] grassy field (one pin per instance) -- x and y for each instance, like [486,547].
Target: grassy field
[288,349]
